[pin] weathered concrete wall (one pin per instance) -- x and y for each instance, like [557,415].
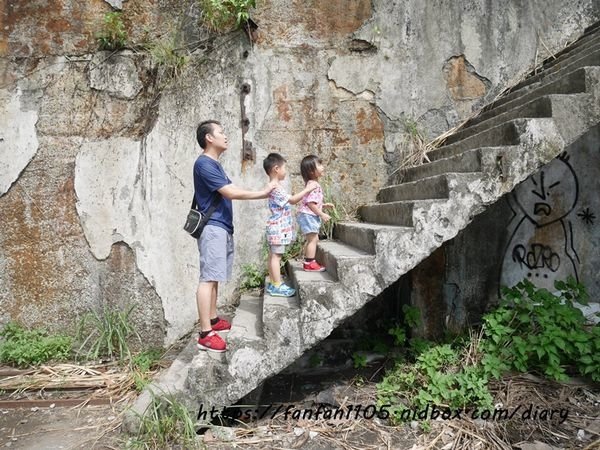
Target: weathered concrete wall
[545,230]
[96,156]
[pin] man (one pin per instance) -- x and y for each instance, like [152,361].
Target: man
[216,241]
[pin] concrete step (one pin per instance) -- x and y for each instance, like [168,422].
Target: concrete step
[591,57]
[310,285]
[246,328]
[505,134]
[538,107]
[572,83]
[274,310]
[578,47]
[393,213]
[247,322]
[469,161]
[364,235]
[337,256]
[423,189]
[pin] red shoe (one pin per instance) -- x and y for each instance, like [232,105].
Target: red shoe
[313,266]
[222,326]
[212,343]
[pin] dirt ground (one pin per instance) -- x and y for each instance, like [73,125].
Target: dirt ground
[60,428]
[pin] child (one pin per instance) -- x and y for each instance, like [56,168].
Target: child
[280,225]
[310,213]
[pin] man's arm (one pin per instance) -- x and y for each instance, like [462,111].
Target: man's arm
[233,192]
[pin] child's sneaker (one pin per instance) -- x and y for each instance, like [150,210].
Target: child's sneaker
[212,342]
[313,266]
[222,326]
[282,291]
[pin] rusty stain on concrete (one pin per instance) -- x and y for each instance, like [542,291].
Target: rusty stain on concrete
[461,82]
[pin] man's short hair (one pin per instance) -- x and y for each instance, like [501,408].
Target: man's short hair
[206,127]
[272,160]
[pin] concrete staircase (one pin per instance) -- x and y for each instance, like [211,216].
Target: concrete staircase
[428,205]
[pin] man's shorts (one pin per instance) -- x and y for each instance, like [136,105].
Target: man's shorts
[277,249]
[216,254]
[309,223]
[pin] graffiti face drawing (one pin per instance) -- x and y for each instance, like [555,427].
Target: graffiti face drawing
[541,243]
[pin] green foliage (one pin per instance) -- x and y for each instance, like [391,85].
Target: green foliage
[334,212]
[412,316]
[165,424]
[166,55]
[360,360]
[113,35]
[534,329]
[141,364]
[23,347]
[224,15]
[399,335]
[293,251]
[109,335]
[438,377]
[315,360]
[252,277]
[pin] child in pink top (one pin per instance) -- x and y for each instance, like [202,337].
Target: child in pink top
[310,212]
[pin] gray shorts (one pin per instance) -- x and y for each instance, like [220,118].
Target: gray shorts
[277,249]
[216,254]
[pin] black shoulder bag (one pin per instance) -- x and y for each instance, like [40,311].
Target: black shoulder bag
[196,221]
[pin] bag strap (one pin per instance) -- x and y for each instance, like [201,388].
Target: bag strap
[212,207]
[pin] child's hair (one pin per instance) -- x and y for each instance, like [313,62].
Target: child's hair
[272,160]
[308,167]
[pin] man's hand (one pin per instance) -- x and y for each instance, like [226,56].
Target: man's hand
[269,187]
[325,217]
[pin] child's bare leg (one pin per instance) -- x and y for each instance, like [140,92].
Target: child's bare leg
[310,250]
[274,268]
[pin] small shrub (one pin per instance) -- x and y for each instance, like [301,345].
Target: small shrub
[166,424]
[334,212]
[534,329]
[252,277]
[109,335]
[113,35]
[141,365]
[24,347]
[224,15]
[167,56]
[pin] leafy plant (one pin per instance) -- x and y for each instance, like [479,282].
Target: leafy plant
[334,212]
[224,15]
[141,365]
[534,329]
[109,335]
[165,424]
[22,347]
[166,55]
[360,360]
[252,277]
[113,35]
[293,251]
[438,377]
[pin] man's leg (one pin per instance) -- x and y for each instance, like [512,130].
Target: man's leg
[213,301]
[204,295]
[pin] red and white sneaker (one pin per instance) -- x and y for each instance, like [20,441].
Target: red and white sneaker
[222,326]
[212,343]
[313,266]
